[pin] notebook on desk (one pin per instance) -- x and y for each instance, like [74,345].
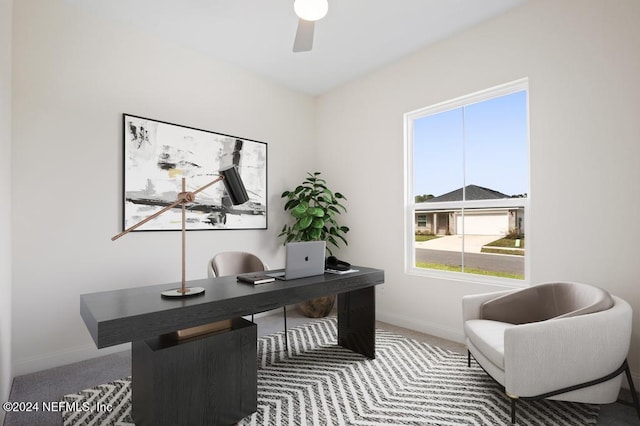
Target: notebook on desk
[303,259]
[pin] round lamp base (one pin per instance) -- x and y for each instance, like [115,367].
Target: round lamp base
[177,292]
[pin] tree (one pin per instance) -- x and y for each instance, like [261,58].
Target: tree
[423,198]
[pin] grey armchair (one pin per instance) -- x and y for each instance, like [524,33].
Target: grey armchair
[564,341]
[239,262]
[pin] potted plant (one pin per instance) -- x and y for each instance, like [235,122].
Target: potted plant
[314,209]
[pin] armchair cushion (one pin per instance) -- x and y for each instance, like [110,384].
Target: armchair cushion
[488,336]
[546,301]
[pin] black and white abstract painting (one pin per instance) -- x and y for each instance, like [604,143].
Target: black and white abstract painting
[157,155]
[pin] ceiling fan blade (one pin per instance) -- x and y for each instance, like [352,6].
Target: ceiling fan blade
[304,36]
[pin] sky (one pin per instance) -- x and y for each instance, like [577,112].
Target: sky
[483,144]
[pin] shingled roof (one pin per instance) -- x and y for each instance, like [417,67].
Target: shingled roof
[472,192]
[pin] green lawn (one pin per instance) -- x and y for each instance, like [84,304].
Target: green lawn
[505,246]
[420,238]
[502,251]
[507,242]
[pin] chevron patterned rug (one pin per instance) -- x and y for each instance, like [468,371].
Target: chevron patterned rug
[320,383]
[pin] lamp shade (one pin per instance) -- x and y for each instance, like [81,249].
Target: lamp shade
[234,186]
[311,10]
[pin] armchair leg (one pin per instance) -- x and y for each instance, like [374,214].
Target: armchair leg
[632,388]
[513,409]
[468,358]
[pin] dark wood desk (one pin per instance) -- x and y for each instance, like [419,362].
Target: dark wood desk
[142,316]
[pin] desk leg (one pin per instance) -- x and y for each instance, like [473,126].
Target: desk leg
[211,379]
[357,321]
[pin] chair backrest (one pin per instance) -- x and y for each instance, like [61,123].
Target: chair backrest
[545,301]
[234,263]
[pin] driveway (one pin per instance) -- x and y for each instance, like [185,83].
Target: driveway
[472,243]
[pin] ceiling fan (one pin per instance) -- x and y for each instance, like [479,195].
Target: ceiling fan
[308,11]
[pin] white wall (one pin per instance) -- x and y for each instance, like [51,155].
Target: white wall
[74,75]
[5,196]
[583,63]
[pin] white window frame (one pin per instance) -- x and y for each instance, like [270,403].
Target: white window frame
[411,206]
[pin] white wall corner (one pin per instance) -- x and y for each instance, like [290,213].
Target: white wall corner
[6,283]
[433,329]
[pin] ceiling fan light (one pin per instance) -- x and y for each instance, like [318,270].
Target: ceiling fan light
[311,10]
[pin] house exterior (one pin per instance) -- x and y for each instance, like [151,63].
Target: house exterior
[481,221]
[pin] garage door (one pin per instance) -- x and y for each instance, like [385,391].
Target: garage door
[483,224]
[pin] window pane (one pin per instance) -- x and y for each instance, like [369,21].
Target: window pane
[437,247]
[488,248]
[496,146]
[438,144]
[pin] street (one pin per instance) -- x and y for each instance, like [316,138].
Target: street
[488,262]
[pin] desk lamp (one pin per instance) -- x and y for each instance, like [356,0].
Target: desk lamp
[238,195]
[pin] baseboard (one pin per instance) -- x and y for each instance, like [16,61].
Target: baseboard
[426,327]
[64,357]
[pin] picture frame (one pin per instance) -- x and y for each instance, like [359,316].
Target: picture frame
[158,154]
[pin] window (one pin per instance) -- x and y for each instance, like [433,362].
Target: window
[467,170]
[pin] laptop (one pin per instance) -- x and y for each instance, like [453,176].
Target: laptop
[303,259]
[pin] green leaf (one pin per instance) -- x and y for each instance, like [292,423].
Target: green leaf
[317,223]
[299,215]
[285,194]
[300,209]
[343,239]
[333,241]
[303,223]
[311,211]
[318,212]
[316,233]
[339,195]
[291,204]
[341,206]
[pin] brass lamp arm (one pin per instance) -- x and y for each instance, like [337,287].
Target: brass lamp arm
[183,197]
[202,188]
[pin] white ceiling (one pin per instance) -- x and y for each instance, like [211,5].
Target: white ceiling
[356,36]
